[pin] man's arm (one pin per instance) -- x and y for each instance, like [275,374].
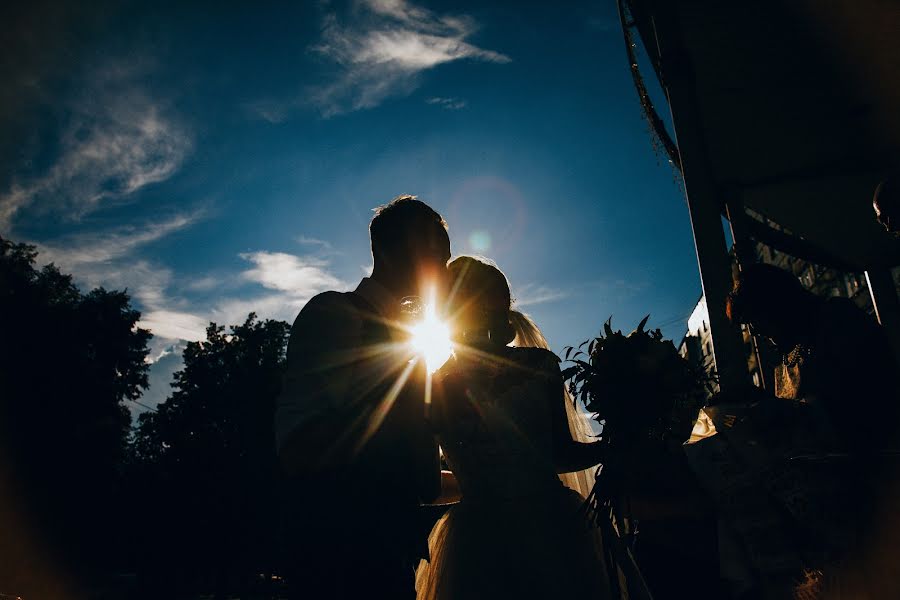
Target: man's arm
[317,383]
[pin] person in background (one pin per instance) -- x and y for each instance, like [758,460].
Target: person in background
[834,355]
[824,449]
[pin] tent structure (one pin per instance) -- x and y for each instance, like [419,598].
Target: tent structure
[789,109]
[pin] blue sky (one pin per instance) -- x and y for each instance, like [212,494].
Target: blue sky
[219,160]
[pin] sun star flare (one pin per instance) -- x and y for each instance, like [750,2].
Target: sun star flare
[430,338]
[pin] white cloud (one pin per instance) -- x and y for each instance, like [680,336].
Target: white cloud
[166,362]
[290,282]
[297,276]
[405,49]
[117,139]
[164,350]
[381,47]
[174,325]
[448,103]
[167,316]
[531,294]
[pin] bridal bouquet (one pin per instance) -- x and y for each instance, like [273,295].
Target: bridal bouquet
[645,396]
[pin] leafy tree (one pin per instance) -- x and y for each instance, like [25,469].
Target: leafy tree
[208,454]
[68,361]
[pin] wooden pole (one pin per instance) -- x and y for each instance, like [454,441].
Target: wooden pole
[704,203]
[744,249]
[887,306]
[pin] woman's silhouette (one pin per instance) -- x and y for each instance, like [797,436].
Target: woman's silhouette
[518,532]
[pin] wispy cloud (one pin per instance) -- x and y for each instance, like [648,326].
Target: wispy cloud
[311,241]
[74,250]
[167,315]
[117,139]
[203,284]
[448,103]
[111,259]
[531,294]
[381,47]
[288,281]
[275,285]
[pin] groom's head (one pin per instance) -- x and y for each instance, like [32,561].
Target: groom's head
[410,245]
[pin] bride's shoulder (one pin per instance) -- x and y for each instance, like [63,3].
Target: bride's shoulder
[536,358]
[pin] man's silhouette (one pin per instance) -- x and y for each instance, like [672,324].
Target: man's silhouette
[352,438]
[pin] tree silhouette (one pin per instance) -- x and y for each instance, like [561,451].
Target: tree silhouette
[68,361]
[192,499]
[207,457]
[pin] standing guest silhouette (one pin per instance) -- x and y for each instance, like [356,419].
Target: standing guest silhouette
[350,423]
[802,481]
[834,356]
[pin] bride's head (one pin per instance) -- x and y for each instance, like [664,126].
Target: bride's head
[480,306]
[479,302]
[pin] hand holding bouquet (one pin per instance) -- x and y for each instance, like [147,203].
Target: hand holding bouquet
[645,396]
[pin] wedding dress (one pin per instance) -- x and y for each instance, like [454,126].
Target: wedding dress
[518,532]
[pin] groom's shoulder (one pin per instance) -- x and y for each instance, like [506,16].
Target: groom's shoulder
[326,305]
[325,301]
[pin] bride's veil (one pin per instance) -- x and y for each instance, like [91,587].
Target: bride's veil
[528,335]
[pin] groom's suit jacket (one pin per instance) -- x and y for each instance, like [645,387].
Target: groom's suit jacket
[342,434]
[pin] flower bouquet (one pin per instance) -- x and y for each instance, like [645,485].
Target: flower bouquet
[646,398]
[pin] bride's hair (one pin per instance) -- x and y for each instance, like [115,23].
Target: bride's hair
[528,335]
[480,291]
[476,280]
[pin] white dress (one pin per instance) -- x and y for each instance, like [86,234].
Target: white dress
[518,532]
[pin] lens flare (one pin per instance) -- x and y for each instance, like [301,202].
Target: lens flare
[430,338]
[480,241]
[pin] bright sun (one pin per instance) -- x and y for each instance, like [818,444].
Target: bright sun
[431,339]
